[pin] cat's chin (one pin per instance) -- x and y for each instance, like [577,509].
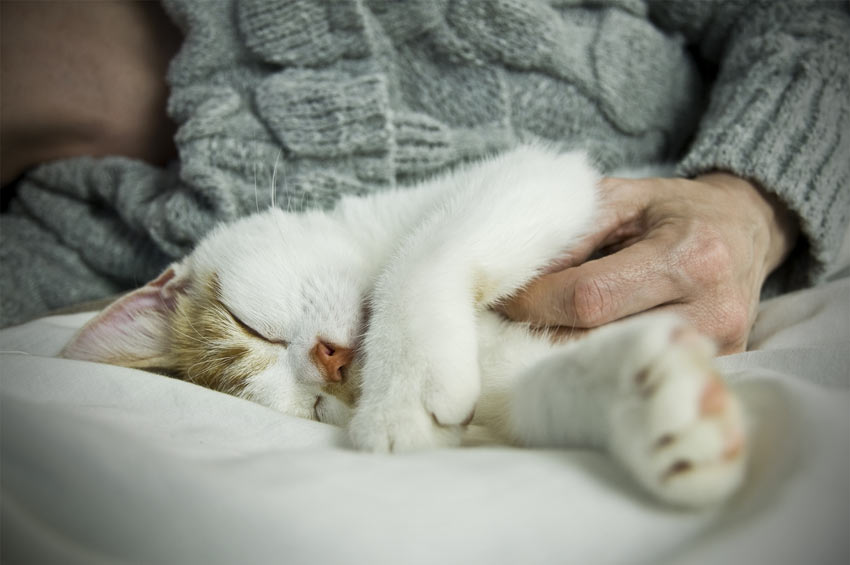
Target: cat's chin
[337,402]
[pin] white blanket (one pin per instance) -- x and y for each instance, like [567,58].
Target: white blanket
[105,464]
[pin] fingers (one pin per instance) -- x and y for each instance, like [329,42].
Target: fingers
[692,278]
[635,279]
[674,244]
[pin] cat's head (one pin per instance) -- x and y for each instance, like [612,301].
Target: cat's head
[269,308]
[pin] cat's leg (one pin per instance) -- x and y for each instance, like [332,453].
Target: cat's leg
[646,390]
[415,391]
[499,225]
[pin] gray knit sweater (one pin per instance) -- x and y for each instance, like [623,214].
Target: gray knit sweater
[302,101]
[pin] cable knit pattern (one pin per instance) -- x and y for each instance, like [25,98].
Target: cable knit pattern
[309,33]
[321,114]
[296,102]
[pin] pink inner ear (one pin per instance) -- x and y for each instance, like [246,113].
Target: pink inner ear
[142,302]
[132,329]
[156,297]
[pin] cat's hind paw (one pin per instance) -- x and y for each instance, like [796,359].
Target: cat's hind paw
[675,424]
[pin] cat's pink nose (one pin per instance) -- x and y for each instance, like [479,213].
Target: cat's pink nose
[330,359]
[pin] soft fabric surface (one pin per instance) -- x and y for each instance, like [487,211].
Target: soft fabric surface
[103,464]
[300,102]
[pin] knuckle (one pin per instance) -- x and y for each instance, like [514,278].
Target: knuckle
[592,300]
[710,259]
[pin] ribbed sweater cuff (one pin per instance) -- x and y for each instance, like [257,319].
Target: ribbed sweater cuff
[787,131]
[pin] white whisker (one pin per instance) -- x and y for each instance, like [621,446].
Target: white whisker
[194,329]
[285,180]
[274,176]
[198,339]
[256,197]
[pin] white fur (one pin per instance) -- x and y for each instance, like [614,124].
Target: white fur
[498,226]
[429,262]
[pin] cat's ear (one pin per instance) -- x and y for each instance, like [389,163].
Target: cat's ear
[133,331]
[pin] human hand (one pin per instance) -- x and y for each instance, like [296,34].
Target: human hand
[702,248]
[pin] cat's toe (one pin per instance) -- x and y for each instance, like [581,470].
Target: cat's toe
[678,427]
[408,429]
[704,462]
[448,411]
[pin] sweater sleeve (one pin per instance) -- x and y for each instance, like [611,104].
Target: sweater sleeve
[778,111]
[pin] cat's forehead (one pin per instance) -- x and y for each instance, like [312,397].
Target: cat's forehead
[277,268]
[294,242]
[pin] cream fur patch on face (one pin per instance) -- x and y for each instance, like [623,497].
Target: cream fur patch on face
[210,347]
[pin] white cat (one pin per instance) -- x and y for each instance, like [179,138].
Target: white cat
[378,315]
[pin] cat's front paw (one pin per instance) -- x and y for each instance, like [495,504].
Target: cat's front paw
[407,404]
[401,427]
[675,424]
[420,382]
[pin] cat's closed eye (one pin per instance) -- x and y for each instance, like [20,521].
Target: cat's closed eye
[250,330]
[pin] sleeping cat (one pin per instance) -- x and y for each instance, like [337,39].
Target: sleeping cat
[377,315]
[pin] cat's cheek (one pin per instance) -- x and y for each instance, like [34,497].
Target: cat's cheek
[276,387]
[299,361]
